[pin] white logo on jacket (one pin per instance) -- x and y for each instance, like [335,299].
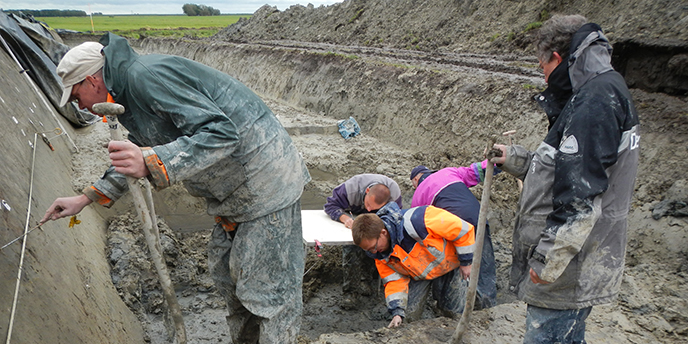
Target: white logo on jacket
[635,141]
[569,146]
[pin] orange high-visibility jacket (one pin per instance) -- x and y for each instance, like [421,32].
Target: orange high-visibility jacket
[427,243]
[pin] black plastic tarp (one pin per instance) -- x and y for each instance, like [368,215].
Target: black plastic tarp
[39,52]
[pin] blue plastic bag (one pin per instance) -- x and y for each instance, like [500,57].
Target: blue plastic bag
[348,128]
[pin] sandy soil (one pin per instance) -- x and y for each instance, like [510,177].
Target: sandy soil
[651,308]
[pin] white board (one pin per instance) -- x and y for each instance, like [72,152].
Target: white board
[317,225]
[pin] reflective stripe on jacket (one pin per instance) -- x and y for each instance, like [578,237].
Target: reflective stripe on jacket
[427,243]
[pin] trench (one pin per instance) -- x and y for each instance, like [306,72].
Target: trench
[653,65]
[414,108]
[204,311]
[375,91]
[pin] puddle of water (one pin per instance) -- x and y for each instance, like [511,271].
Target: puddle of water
[188,222]
[312,200]
[185,221]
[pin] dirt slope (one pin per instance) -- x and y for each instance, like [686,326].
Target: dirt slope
[478,26]
[65,294]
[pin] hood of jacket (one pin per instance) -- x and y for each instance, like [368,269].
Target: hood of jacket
[119,56]
[590,55]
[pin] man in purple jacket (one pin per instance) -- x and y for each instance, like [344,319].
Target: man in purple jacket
[448,189]
[362,193]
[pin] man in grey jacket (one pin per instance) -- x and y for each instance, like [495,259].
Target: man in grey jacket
[190,123]
[570,237]
[360,194]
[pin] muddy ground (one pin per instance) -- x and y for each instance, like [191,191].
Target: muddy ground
[431,93]
[651,308]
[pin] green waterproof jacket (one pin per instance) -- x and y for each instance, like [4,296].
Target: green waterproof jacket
[209,131]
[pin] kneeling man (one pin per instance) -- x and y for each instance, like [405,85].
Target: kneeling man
[414,250]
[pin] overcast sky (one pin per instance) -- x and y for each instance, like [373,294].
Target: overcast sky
[153,6]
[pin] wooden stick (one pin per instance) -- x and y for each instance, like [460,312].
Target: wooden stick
[152,239]
[462,326]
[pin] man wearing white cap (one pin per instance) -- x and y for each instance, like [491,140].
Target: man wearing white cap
[190,123]
[80,68]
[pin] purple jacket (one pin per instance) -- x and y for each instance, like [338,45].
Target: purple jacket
[429,188]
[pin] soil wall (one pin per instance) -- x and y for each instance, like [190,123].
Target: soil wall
[66,294]
[439,112]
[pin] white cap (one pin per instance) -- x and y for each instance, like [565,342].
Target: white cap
[79,62]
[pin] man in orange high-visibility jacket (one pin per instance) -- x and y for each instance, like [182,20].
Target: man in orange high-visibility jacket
[414,250]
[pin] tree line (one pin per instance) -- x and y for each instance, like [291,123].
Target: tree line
[53,13]
[199,10]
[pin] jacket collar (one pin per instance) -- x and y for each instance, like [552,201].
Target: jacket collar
[392,216]
[119,56]
[590,55]
[423,176]
[558,92]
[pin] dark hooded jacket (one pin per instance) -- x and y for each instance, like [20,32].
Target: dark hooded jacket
[571,223]
[206,129]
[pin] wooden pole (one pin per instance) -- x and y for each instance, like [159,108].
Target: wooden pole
[462,326]
[150,233]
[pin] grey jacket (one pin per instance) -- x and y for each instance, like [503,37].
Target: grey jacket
[208,130]
[571,222]
[349,196]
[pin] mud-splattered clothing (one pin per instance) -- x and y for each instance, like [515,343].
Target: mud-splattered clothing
[425,243]
[210,132]
[259,270]
[213,134]
[349,196]
[577,186]
[547,326]
[448,189]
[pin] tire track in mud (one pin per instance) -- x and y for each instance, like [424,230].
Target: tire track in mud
[509,66]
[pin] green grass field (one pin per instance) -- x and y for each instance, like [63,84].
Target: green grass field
[136,25]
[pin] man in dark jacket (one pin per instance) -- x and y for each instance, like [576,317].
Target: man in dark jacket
[193,124]
[360,194]
[448,189]
[570,237]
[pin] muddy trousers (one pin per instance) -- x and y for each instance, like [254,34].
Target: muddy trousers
[564,326]
[449,290]
[487,280]
[258,269]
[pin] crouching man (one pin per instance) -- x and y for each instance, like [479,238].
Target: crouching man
[362,193]
[414,250]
